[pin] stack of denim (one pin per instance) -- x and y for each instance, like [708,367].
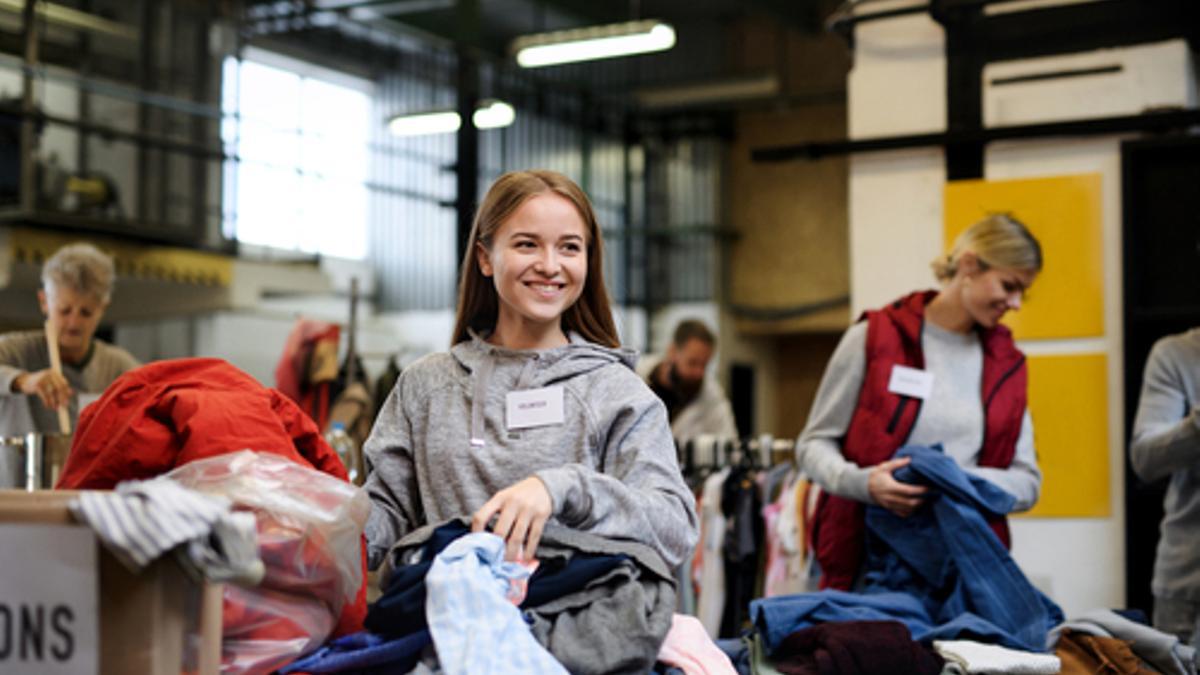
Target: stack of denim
[942,572]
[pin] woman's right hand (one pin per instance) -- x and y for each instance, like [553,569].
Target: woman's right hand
[51,387]
[899,498]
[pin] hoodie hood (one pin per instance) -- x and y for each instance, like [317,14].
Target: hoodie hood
[545,366]
[537,367]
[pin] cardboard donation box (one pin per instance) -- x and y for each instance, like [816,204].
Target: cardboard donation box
[68,606]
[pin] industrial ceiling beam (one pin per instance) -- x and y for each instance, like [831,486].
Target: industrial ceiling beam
[801,14]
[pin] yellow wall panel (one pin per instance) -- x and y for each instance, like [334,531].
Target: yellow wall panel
[1064,213]
[1068,399]
[131,259]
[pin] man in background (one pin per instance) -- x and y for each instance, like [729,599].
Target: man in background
[696,404]
[1166,444]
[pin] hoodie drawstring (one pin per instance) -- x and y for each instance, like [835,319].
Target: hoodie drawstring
[482,375]
[527,373]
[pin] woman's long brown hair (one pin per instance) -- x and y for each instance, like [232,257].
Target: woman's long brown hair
[478,303]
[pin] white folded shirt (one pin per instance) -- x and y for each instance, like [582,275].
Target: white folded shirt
[976,657]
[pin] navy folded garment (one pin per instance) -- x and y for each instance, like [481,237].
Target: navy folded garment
[401,609]
[364,654]
[556,578]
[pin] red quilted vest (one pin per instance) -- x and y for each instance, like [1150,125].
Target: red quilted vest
[883,420]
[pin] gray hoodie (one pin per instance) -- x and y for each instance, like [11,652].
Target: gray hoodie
[610,468]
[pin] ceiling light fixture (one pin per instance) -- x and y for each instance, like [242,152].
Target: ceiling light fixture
[592,43]
[491,114]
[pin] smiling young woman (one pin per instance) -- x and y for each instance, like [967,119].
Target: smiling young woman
[546,195]
[972,399]
[538,262]
[533,322]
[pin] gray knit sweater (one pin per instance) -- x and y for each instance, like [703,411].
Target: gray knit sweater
[27,352]
[1166,442]
[610,469]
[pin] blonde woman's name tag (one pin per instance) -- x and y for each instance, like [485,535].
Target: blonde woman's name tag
[535,407]
[910,382]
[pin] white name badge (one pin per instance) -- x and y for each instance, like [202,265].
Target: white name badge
[910,382]
[535,407]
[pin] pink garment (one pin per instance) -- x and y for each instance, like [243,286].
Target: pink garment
[518,587]
[689,648]
[776,566]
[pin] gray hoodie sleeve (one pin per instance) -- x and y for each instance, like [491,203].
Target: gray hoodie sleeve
[392,484]
[1166,431]
[638,492]
[819,449]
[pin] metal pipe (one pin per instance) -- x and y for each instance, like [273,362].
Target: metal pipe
[73,18]
[107,132]
[28,187]
[85,98]
[844,20]
[1152,121]
[165,81]
[202,89]
[145,75]
[112,90]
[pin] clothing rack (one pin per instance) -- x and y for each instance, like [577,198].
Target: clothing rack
[753,518]
[759,451]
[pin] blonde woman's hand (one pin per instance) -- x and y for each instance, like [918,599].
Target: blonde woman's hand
[521,512]
[51,387]
[899,498]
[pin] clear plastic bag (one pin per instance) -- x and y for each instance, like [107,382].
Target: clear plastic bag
[310,528]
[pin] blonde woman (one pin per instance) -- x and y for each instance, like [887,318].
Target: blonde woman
[931,367]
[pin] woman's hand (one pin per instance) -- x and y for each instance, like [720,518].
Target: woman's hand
[521,512]
[899,498]
[51,387]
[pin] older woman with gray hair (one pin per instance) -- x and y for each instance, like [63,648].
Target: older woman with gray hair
[76,288]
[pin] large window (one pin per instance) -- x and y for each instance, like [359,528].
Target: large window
[300,138]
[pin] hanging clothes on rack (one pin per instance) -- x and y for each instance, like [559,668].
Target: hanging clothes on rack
[708,569]
[308,367]
[754,523]
[741,502]
[386,382]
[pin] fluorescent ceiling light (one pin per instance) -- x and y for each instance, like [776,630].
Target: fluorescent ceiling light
[423,124]
[491,114]
[593,42]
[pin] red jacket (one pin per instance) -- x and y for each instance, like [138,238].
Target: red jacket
[168,413]
[883,420]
